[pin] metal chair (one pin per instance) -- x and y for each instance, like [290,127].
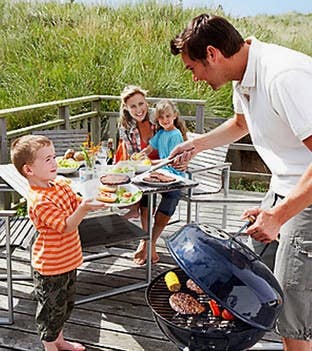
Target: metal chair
[14,232]
[64,139]
[210,170]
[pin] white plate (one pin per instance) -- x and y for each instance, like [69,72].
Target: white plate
[66,170]
[90,189]
[139,179]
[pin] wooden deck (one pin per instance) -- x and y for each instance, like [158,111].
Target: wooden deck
[122,322]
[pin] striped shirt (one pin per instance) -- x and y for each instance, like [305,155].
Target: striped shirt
[54,252]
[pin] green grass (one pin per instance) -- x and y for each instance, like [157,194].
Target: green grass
[52,51]
[249,184]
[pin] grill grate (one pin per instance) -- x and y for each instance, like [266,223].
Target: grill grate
[204,322]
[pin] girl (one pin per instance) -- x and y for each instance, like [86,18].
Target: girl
[171,132]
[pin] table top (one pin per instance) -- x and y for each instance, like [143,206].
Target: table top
[17,182]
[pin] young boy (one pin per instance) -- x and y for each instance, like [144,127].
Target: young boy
[56,211]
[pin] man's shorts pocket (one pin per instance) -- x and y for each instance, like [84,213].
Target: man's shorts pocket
[299,262]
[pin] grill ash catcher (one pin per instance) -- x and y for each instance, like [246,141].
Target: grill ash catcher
[229,273]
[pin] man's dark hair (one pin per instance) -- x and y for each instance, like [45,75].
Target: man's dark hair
[205,30]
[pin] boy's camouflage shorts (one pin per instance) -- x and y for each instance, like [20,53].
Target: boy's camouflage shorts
[56,296]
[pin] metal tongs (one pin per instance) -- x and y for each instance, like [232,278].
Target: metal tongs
[162,163]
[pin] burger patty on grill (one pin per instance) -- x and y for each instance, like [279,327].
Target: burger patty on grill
[185,304]
[194,287]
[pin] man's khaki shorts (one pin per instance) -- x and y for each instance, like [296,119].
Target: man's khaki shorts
[293,269]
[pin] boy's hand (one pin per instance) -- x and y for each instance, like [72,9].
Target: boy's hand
[88,205]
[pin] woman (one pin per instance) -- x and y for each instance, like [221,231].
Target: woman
[135,126]
[135,130]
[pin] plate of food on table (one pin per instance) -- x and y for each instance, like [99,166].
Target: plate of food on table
[157,178]
[114,190]
[66,166]
[69,162]
[140,162]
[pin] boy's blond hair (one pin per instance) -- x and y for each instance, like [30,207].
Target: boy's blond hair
[24,149]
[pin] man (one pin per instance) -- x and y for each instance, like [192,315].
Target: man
[272,97]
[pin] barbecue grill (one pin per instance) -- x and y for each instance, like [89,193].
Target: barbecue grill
[229,273]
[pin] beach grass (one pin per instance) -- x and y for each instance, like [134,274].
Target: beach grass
[52,51]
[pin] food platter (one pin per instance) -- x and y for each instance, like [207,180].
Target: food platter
[132,167]
[140,179]
[66,166]
[91,189]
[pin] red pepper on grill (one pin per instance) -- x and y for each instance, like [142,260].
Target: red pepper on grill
[227,315]
[214,308]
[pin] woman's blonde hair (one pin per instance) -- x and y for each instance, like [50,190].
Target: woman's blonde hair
[24,150]
[161,107]
[128,92]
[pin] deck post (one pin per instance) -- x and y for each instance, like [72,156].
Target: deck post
[200,118]
[4,197]
[63,112]
[3,141]
[96,121]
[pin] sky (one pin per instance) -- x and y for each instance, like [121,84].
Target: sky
[237,8]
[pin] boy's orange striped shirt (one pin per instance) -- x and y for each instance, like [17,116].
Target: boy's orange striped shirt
[54,252]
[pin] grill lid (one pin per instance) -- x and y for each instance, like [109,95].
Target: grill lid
[228,271]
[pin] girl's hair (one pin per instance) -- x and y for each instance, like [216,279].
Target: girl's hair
[24,149]
[161,107]
[125,117]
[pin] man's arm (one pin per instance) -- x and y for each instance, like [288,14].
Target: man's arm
[231,130]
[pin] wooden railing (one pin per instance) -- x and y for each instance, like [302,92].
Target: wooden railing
[91,120]
[99,118]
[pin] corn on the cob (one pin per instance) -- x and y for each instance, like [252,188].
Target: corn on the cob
[172,282]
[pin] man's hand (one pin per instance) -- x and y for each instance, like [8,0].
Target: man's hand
[182,154]
[266,227]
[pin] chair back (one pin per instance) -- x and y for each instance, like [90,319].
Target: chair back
[65,139]
[204,168]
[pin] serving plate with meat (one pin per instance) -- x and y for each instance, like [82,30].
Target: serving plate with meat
[158,178]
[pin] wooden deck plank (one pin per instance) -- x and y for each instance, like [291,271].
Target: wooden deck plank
[119,323]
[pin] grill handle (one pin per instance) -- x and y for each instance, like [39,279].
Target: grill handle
[251,220]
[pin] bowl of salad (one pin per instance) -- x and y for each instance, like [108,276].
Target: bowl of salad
[66,165]
[124,167]
[140,162]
